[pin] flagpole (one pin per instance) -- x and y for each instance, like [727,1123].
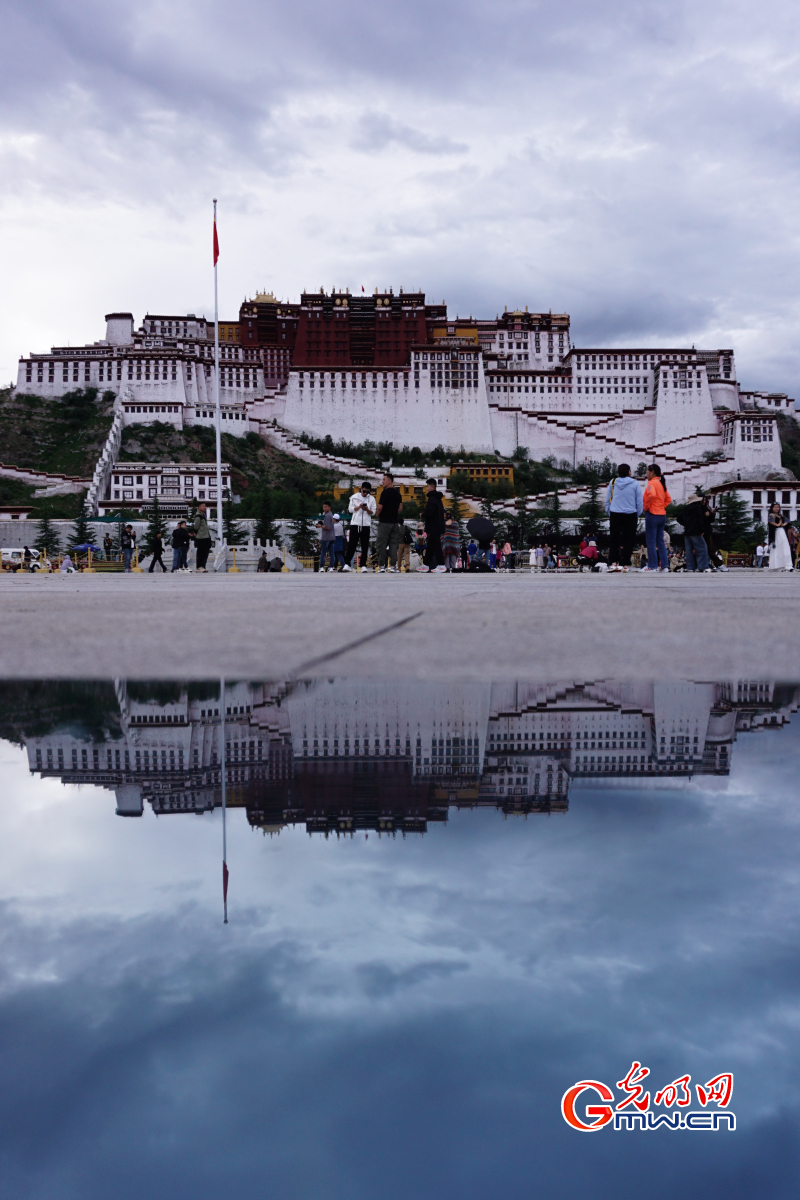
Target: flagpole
[224,803]
[216,371]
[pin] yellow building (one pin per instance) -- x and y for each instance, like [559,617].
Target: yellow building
[491,472]
[228,331]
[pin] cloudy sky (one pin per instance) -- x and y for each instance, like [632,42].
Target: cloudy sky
[395,1018]
[633,163]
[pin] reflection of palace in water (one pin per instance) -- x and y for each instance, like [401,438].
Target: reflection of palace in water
[344,754]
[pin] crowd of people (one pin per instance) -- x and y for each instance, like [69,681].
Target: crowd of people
[436,538]
[439,545]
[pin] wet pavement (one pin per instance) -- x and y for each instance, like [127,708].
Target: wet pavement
[450,903]
[737,625]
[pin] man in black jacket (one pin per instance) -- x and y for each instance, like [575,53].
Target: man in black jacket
[180,547]
[158,550]
[693,518]
[434,528]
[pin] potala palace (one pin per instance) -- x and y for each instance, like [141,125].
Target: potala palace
[392,367]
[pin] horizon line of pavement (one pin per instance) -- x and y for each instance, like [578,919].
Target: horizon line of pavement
[544,628]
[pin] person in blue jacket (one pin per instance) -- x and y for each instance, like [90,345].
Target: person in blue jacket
[624,507]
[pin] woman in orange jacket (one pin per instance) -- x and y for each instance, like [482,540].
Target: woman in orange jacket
[655,501]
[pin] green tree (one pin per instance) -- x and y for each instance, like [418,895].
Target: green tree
[47,541]
[234,533]
[266,529]
[733,520]
[81,530]
[458,510]
[552,518]
[304,539]
[155,526]
[527,526]
[592,511]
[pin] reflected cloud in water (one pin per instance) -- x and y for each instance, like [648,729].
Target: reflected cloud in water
[386,1016]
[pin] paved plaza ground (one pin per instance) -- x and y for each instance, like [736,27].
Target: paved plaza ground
[743,624]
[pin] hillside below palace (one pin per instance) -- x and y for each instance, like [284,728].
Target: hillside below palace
[392,367]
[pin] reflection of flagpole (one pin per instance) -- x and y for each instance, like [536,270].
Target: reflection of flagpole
[216,372]
[224,803]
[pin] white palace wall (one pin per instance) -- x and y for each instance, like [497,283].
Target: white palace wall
[379,411]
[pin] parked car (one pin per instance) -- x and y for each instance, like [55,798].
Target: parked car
[12,557]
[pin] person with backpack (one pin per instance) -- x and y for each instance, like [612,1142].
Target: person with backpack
[623,503]
[655,501]
[404,549]
[202,538]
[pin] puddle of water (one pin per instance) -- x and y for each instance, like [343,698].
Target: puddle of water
[447,905]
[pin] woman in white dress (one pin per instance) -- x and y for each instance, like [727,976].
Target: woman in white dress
[780,554]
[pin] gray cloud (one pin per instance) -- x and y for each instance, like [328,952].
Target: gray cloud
[451,987]
[377,131]
[633,164]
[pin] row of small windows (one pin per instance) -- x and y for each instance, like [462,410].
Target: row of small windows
[168,480]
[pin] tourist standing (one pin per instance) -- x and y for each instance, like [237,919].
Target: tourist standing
[158,550]
[780,555]
[128,543]
[792,536]
[327,537]
[450,543]
[338,541]
[180,547]
[404,549]
[262,564]
[362,507]
[472,550]
[202,538]
[714,557]
[623,503]
[387,537]
[692,517]
[108,547]
[434,528]
[655,501]
[759,554]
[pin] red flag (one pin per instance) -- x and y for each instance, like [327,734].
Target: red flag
[216,243]
[224,882]
[362,287]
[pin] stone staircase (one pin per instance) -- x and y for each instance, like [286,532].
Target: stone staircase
[687,472]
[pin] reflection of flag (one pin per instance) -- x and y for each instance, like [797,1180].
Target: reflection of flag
[224,882]
[216,243]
